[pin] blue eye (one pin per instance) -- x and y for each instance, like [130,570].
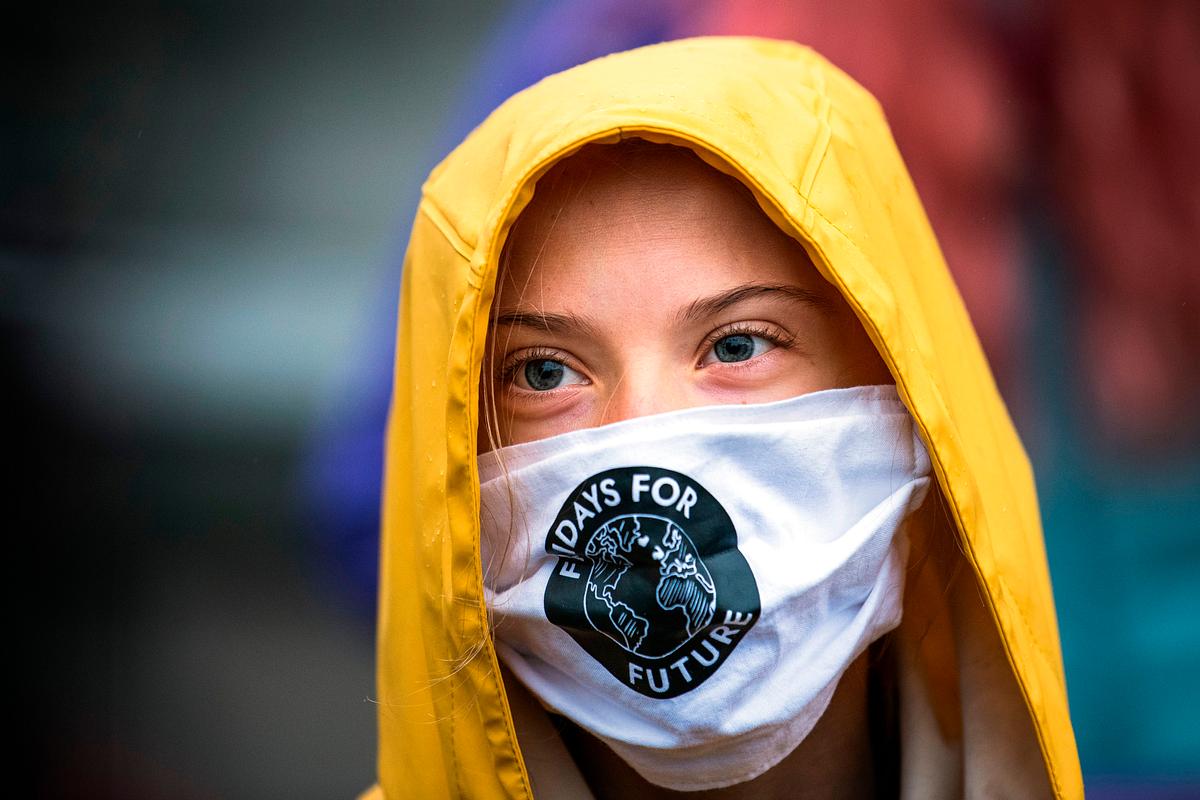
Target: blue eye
[543,374]
[539,372]
[737,347]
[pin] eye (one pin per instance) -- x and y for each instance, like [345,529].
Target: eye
[544,374]
[739,347]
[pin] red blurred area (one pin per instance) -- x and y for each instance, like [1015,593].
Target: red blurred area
[1094,103]
[1123,133]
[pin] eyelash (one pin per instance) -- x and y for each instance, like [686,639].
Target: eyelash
[773,334]
[508,370]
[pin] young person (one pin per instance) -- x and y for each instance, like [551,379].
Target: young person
[691,433]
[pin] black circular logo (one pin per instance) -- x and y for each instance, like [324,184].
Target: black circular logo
[649,579]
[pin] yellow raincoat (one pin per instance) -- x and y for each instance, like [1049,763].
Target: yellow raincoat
[983,701]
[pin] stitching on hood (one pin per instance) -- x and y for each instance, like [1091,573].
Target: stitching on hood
[429,207]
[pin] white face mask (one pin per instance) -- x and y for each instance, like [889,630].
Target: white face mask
[690,586]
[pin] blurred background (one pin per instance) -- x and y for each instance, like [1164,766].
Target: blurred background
[203,209]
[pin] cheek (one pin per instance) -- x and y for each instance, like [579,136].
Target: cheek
[566,411]
[833,354]
[779,374]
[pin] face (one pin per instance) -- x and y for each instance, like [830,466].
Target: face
[641,280]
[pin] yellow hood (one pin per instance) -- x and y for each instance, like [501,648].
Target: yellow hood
[815,149]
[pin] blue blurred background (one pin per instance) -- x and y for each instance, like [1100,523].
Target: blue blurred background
[202,214]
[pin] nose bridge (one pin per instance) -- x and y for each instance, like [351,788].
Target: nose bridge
[643,389]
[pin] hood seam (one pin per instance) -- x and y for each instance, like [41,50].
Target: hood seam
[432,212]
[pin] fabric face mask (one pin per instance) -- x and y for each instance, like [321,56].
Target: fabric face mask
[690,586]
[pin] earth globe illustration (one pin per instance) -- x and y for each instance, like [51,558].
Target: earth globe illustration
[648,588]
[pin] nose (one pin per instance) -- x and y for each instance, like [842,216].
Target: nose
[641,393]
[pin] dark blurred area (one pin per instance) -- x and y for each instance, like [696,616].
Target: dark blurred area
[200,208]
[202,213]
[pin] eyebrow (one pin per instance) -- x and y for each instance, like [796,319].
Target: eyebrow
[549,322]
[708,306]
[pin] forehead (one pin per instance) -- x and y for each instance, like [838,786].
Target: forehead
[637,214]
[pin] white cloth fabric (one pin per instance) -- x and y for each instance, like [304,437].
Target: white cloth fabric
[690,586]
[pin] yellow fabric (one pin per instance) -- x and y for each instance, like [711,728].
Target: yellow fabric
[814,147]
